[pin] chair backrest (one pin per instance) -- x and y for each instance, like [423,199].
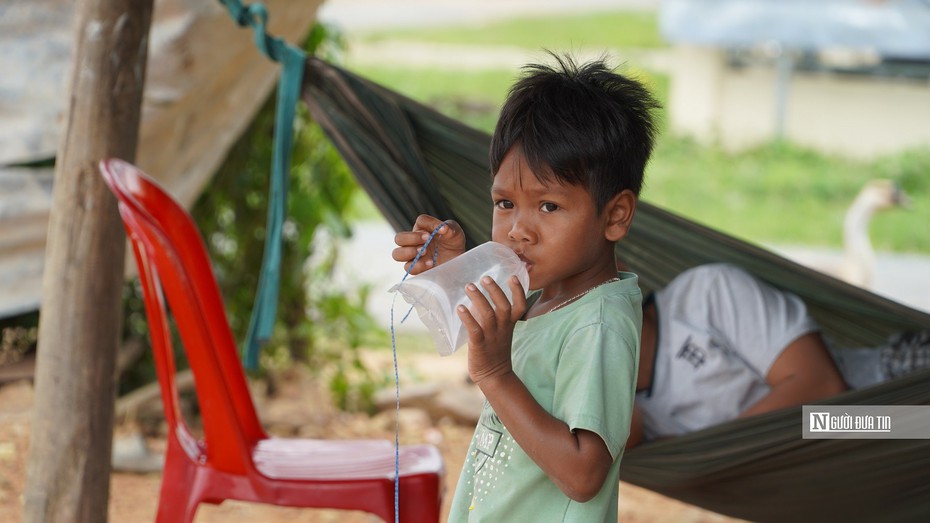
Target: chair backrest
[176,276]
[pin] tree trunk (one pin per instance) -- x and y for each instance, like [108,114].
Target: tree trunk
[68,473]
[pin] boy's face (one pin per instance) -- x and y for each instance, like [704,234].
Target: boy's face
[554,228]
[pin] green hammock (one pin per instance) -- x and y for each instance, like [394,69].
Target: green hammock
[412,160]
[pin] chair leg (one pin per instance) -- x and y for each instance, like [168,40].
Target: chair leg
[179,497]
[180,510]
[420,499]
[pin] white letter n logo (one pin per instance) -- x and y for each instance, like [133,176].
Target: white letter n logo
[820,421]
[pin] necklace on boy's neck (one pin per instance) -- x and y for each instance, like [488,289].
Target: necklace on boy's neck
[578,296]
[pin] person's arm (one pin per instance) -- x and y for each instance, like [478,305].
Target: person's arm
[637,434]
[578,461]
[450,239]
[803,372]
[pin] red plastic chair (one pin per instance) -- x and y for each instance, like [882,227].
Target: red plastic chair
[236,459]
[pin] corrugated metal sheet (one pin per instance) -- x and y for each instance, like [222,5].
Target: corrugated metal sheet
[204,82]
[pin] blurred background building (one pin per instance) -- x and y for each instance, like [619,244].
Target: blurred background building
[842,76]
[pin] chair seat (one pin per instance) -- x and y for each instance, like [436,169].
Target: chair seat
[314,459]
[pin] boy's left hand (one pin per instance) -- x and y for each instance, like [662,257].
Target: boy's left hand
[490,327]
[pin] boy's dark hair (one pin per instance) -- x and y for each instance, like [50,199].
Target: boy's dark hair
[581,125]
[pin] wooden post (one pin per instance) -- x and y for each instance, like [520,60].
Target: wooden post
[68,473]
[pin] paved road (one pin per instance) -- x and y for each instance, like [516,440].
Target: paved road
[903,277]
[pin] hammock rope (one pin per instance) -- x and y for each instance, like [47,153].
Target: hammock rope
[292,60]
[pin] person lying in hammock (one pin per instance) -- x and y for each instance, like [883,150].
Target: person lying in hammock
[718,344]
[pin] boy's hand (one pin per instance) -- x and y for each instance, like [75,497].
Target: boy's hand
[490,329]
[450,239]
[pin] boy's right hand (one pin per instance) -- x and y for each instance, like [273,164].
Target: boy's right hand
[450,240]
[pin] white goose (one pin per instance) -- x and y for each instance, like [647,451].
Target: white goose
[858,264]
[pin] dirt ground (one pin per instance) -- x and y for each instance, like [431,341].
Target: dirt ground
[299,408]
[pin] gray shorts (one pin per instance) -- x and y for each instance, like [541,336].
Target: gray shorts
[903,354]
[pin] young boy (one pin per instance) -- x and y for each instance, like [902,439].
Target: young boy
[557,367]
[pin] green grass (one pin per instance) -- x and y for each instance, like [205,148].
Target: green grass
[593,30]
[785,194]
[778,193]
[473,97]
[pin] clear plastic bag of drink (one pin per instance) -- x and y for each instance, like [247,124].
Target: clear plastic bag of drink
[436,293]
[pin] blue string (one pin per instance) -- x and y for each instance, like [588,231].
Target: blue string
[397,373]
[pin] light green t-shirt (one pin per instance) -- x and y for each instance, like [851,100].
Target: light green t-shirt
[579,363]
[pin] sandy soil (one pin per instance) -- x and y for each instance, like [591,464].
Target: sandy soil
[298,408]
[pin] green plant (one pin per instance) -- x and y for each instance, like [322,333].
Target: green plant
[18,335]
[318,323]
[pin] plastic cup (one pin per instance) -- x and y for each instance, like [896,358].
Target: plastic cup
[436,293]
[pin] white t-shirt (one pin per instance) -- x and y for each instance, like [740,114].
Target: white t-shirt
[719,330]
